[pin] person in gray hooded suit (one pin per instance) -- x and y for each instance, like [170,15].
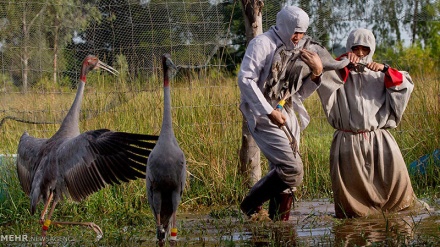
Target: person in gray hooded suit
[263,85]
[362,102]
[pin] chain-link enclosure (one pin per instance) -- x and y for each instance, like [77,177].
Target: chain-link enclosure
[43,42]
[47,39]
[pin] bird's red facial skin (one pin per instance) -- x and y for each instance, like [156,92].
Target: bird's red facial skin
[82,76]
[91,63]
[85,65]
[88,64]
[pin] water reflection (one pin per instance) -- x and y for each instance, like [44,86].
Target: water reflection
[311,224]
[273,234]
[390,230]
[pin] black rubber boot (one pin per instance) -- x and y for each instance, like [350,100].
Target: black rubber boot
[280,205]
[266,188]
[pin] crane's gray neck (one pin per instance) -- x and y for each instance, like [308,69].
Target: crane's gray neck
[70,125]
[167,125]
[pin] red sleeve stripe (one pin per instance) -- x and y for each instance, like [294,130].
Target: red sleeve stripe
[393,78]
[344,71]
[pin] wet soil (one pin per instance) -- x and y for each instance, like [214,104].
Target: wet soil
[311,223]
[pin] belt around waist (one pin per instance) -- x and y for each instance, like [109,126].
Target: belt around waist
[356,132]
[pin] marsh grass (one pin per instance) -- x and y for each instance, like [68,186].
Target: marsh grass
[419,133]
[207,124]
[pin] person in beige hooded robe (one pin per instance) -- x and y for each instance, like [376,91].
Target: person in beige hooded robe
[362,102]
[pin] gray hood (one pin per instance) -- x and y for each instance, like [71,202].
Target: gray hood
[363,37]
[290,19]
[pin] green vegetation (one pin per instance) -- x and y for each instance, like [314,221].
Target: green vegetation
[39,56]
[207,124]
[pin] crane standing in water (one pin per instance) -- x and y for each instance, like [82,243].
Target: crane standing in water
[77,165]
[166,169]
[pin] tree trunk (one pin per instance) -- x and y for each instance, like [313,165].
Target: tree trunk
[414,26]
[55,51]
[250,153]
[25,55]
[249,156]
[253,18]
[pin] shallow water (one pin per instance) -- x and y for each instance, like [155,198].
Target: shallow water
[310,224]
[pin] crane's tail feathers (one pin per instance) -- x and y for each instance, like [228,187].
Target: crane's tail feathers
[35,198]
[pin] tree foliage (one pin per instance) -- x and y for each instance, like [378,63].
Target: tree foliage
[39,39]
[34,33]
[64,17]
[21,21]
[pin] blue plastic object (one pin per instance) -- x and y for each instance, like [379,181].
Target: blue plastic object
[5,175]
[419,166]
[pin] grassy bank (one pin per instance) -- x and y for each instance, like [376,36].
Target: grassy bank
[207,124]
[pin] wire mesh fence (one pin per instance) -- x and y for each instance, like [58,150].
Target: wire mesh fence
[43,42]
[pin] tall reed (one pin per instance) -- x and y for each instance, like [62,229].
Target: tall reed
[207,124]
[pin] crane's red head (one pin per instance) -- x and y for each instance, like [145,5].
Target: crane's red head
[92,62]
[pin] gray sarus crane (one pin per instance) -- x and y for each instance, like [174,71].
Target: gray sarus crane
[166,169]
[74,164]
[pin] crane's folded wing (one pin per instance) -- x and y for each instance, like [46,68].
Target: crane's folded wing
[28,160]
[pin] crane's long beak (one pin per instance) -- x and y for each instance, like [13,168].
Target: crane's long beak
[107,68]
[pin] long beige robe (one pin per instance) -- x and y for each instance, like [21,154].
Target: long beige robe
[368,172]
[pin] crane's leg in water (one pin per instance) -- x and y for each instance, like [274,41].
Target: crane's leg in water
[173,233]
[46,205]
[156,204]
[47,222]
[160,231]
[92,225]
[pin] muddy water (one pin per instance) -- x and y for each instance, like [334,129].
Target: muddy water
[310,224]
